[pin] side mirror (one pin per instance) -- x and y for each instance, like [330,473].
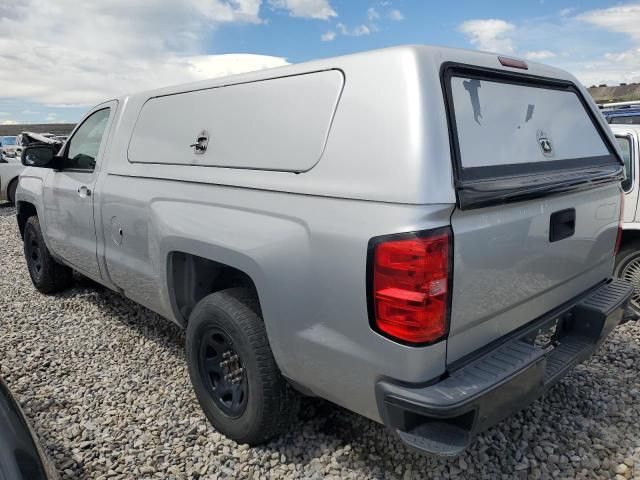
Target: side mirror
[38,156]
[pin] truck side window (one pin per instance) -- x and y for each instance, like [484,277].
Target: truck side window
[625,120]
[625,145]
[83,147]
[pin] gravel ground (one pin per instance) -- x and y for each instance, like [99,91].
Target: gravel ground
[104,383]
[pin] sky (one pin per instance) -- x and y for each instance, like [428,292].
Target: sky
[60,57]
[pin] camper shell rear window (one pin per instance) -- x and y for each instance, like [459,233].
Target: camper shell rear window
[510,125]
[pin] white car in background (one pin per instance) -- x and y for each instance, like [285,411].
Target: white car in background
[7,148]
[9,172]
[11,167]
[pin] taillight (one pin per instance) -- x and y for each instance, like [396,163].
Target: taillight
[620,222]
[409,286]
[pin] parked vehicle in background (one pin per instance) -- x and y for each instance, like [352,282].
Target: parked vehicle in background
[10,170]
[416,234]
[21,457]
[26,139]
[13,167]
[621,113]
[7,148]
[628,258]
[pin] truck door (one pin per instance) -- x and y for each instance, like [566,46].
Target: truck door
[68,193]
[628,147]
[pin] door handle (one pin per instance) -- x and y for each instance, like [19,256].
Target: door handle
[84,192]
[562,224]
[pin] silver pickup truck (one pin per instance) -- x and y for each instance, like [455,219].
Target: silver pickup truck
[422,235]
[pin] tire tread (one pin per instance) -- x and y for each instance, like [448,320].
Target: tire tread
[280,403]
[55,276]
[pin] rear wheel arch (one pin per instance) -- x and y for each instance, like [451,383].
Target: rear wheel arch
[192,277]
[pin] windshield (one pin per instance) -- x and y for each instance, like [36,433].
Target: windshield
[515,126]
[8,141]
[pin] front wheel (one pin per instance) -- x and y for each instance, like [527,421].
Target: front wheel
[627,267]
[47,275]
[232,369]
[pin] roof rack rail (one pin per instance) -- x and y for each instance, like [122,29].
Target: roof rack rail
[619,105]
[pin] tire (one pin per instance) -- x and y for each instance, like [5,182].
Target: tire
[11,191]
[627,267]
[47,275]
[247,399]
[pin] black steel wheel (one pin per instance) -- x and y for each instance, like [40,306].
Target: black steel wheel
[232,369]
[33,253]
[47,275]
[223,372]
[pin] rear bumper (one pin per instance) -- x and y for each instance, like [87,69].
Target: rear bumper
[442,417]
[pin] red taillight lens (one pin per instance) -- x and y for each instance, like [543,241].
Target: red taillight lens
[410,287]
[620,222]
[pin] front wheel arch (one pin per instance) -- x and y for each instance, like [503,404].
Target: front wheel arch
[11,190]
[25,210]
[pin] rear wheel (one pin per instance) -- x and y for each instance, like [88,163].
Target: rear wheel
[47,275]
[234,374]
[11,191]
[628,268]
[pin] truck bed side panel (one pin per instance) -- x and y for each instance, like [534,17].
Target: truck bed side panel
[307,256]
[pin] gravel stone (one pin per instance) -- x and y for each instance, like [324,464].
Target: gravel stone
[621,469]
[105,385]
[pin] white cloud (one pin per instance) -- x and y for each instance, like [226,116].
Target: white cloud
[357,31]
[374,17]
[613,67]
[328,36]
[491,34]
[395,15]
[4,114]
[621,19]
[125,46]
[320,9]
[372,14]
[610,69]
[360,30]
[568,41]
[8,122]
[539,55]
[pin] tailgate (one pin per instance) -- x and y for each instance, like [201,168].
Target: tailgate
[538,190]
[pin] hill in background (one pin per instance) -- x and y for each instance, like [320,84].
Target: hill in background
[55,128]
[622,93]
